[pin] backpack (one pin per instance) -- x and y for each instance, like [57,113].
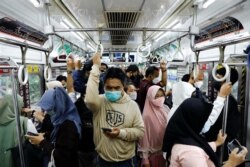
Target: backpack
[86,116]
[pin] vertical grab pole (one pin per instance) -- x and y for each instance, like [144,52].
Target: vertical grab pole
[225,112]
[17,118]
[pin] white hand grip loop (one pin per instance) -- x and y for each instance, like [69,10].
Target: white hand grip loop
[48,71]
[196,71]
[20,75]
[140,53]
[101,47]
[226,75]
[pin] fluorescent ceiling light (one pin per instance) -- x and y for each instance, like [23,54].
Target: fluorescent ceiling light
[90,47]
[208,3]
[66,24]
[173,25]
[36,3]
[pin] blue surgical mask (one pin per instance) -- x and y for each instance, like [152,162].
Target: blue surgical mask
[113,96]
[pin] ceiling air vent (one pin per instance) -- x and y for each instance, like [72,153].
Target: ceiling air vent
[121,20]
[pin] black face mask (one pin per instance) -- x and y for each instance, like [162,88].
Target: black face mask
[217,85]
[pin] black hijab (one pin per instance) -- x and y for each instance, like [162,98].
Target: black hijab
[185,126]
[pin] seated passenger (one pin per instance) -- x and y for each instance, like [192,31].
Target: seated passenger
[155,121]
[64,139]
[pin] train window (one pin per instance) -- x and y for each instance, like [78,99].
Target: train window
[172,78]
[34,88]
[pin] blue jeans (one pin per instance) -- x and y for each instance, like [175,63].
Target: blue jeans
[127,163]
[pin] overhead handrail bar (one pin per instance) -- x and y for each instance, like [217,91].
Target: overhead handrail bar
[171,41]
[22,44]
[22,68]
[120,29]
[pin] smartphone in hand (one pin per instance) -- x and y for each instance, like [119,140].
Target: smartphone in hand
[106,129]
[31,134]
[234,144]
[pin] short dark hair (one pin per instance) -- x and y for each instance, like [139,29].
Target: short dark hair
[61,78]
[104,64]
[185,78]
[115,73]
[233,74]
[132,68]
[151,70]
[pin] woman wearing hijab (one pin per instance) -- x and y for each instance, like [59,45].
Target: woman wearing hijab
[155,121]
[8,137]
[64,139]
[182,140]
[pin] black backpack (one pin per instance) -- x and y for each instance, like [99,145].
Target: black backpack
[86,142]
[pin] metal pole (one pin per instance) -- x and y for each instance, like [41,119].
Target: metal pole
[228,42]
[120,29]
[18,127]
[18,43]
[51,45]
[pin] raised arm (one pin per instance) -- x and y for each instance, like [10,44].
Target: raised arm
[92,98]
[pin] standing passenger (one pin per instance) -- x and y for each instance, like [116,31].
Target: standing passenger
[64,139]
[114,110]
[152,74]
[155,120]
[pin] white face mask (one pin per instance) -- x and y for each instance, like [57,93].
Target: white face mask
[198,84]
[133,95]
[156,80]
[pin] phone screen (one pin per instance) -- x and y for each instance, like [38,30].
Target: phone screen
[234,144]
[32,134]
[107,129]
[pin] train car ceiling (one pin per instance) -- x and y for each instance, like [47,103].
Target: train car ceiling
[174,14]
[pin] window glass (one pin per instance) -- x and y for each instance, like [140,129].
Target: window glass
[34,88]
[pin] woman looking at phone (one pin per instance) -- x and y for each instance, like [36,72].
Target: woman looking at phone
[64,139]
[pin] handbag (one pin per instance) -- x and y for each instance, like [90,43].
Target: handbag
[52,161]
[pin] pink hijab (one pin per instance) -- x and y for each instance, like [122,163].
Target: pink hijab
[155,122]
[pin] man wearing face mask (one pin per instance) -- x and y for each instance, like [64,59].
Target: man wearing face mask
[134,75]
[117,119]
[189,87]
[131,90]
[151,78]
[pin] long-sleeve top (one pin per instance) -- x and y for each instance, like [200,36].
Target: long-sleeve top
[218,106]
[184,90]
[123,114]
[65,147]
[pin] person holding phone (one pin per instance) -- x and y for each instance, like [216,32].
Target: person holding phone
[66,133]
[114,110]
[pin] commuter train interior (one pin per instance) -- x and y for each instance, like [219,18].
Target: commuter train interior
[38,36]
